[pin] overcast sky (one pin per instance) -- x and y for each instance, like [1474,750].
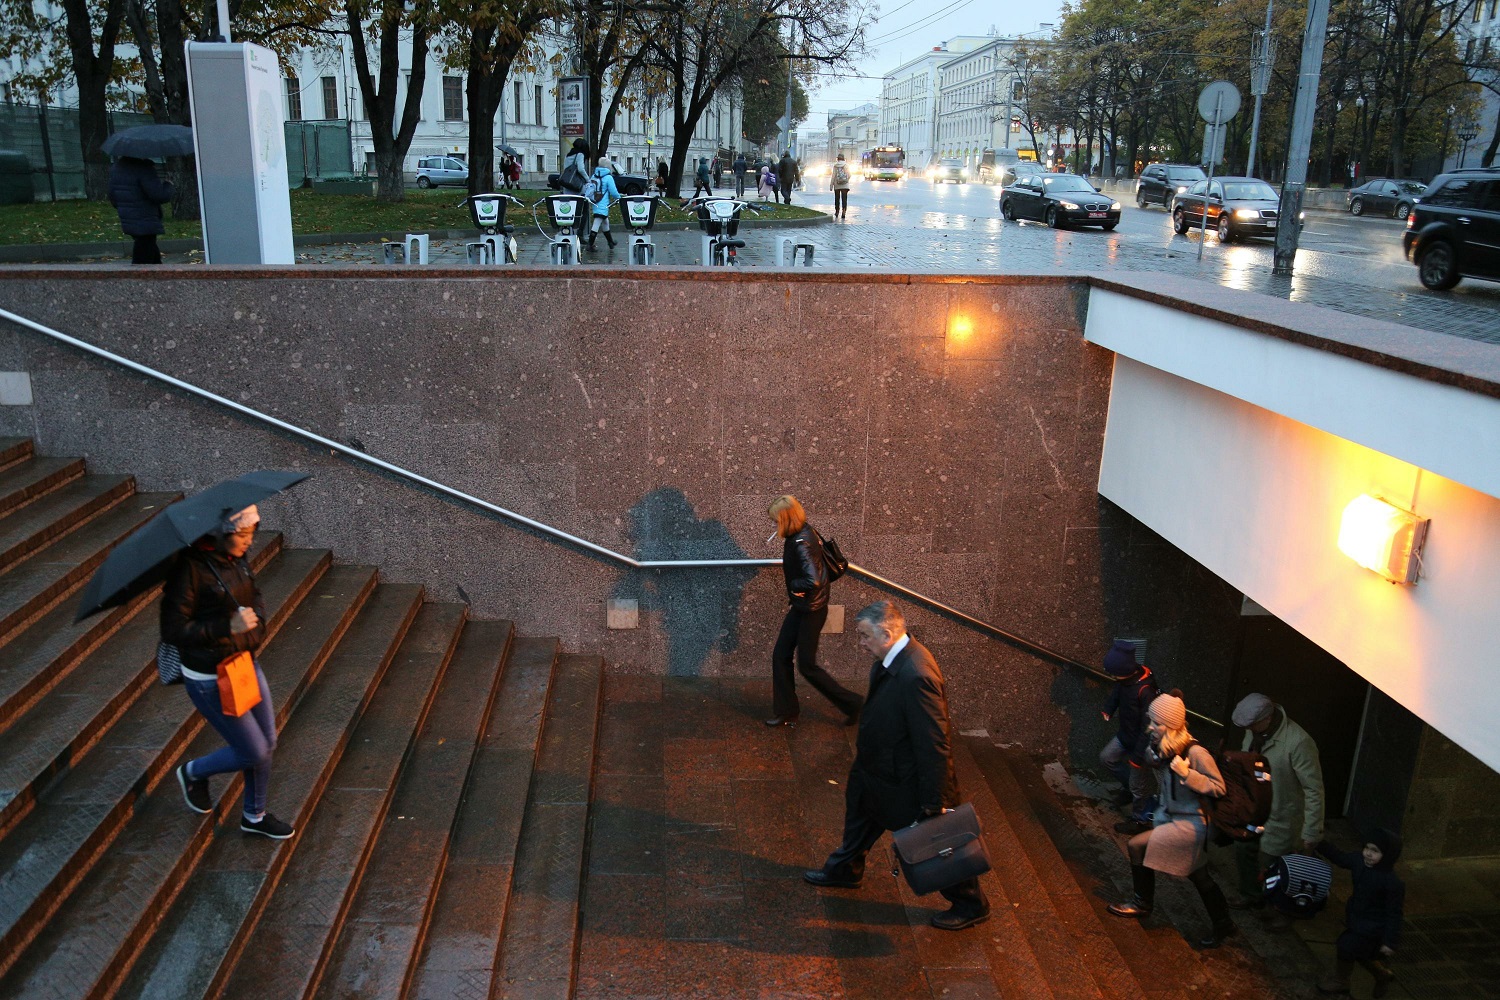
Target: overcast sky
[907,28]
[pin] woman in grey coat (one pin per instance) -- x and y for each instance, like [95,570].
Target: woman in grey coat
[1178,842]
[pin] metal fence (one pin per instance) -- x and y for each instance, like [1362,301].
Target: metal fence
[49,138]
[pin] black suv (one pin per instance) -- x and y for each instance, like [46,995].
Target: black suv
[1454,231]
[1159,183]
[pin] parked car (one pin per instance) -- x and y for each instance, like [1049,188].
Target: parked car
[1235,207]
[434,171]
[627,183]
[949,171]
[1381,194]
[1454,231]
[1159,183]
[1059,200]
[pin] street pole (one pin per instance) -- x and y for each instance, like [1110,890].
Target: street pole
[786,136]
[1260,78]
[1299,146]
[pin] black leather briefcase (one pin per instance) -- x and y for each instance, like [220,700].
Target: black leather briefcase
[942,851]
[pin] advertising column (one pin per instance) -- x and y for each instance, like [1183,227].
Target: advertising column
[572,113]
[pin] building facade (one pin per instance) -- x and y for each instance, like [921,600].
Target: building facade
[853,132]
[908,101]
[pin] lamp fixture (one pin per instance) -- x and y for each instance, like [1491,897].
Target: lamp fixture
[1383,538]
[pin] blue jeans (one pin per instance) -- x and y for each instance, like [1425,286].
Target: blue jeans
[251,738]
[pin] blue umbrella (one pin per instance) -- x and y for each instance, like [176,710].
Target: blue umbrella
[148,142]
[141,561]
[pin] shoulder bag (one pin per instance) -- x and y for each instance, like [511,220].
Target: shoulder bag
[833,558]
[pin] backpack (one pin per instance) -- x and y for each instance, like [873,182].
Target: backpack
[840,174]
[1241,812]
[591,191]
[572,178]
[1297,885]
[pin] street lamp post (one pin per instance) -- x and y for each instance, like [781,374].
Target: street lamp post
[1299,146]
[1467,133]
[1263,54]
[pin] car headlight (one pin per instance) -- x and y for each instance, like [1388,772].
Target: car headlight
[1181,188]
[1115,207]
[1068,205]
[1246,213]
[1302,217]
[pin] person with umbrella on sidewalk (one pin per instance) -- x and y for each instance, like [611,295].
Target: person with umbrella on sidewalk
[134,187]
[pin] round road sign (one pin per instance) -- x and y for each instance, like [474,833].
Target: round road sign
[1219,102]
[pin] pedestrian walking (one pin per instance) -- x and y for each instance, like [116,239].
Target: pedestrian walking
[838,182]
[138,195]
[903,760]
[1373,915]
[701,179]
[767,186]
[1125,754]
[605,193]
[718,172]
[786,176]
[739,168]
[662,173]
[514,174]
[1178,842]
[213,614]
[577,168]
[1296,820]
[804,567]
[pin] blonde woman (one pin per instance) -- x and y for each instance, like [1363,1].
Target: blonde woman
[1178,842]
[807,586]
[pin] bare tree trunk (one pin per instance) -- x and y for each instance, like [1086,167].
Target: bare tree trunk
[1488,160]
[91,72]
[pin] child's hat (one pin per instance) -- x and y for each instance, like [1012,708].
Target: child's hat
[1120,660]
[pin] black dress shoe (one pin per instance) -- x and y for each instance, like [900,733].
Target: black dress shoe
[952,920]
[782,720]
[1216,936]
[819,877]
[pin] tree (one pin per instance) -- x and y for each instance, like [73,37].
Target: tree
[383,27]
[763,90]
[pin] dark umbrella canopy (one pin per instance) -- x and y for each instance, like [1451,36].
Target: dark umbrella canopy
[506,148]
[148,142]
[140,561]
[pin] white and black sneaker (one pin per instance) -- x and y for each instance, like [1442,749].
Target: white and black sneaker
[267,826]
[194,791]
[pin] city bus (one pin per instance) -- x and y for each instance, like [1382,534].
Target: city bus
[886,163]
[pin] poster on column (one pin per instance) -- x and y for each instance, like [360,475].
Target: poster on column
[572,107]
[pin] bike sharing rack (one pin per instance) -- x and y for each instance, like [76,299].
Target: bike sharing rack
[413,250]
[783,259]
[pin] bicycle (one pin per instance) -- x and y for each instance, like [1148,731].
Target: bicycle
[495,243]
[568,213]
[719,219]
[639,212]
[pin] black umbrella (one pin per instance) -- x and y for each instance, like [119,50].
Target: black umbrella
[140,561]
[147,142]
[506,148]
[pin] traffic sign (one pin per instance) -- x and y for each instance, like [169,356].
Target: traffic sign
[1219,102]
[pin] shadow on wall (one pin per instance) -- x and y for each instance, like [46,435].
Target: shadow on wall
[699,608]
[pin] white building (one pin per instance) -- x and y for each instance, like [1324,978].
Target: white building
[853,131]
[1480,37]
[908,100]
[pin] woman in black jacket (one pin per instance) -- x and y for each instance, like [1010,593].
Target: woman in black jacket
[211,610]
[807,586]
[138,195]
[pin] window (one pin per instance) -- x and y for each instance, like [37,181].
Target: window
[1017,90]
[629,164]
[516,113]
[293,100]
[1457,193]
[330,97]
[538,90]
[541,159]
[453,98]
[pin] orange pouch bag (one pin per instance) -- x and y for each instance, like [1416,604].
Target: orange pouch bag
[239,691]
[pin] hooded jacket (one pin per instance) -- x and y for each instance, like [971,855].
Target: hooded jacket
[1375,907]
[138,195]
[1126,706]
[805,570]
[608,191]
[196,608]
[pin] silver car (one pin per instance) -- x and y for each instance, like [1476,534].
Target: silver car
[433,171]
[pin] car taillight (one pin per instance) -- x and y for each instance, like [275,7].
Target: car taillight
[1411,219]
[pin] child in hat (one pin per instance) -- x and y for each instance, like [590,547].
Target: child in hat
[1133,691]
[1372,917]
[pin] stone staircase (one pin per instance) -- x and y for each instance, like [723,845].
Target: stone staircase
[438,771]
[482,815]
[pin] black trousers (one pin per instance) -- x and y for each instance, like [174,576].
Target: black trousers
[799,634]
[739,185]
[146,251]
[786,192]
[840,200]
[861,833]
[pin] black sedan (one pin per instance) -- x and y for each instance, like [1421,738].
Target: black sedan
[1059,200]
[627,183]
[1381,194]
[1234,206]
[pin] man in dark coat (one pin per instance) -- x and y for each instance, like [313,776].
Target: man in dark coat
[787,174]
[903,760]
[740,167]
[138,195]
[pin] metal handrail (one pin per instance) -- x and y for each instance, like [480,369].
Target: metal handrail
[546,529]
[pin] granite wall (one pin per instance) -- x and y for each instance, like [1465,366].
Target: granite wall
[946,431]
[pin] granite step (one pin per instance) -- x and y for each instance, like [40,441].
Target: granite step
[1156,952]
[25,481]
[303,918]
[75,706]
[30,589]
[372,951]
[473,897]
[539,944]
[14,450]
[59,850]
[32,528]
[336,760]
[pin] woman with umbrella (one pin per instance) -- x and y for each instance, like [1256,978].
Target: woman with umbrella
[212,610]
[134,187]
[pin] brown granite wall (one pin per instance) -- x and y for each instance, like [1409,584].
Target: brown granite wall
[946,431]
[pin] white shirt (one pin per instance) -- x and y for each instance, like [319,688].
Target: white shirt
[897,647]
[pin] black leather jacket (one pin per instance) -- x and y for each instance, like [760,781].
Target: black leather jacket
[195,609]
[805,570]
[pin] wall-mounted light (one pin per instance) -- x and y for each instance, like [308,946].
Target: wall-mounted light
[1383,538]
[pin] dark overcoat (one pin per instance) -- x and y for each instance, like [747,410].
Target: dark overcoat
[903,760]
[138,195]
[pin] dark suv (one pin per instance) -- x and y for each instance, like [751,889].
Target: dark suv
[1159,183]
[1454,231]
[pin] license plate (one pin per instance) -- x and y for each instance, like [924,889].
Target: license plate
[1098,215]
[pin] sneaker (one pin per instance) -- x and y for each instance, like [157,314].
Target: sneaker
[194,791]
[268,826]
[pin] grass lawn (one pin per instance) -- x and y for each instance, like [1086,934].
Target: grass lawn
[96,222]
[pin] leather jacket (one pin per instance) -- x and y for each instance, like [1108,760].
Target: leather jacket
[806,572]
[195,609]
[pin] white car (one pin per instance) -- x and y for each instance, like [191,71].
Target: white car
[433,171]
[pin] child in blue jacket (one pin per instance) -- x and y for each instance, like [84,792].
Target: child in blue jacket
[1372,918]
[606,193]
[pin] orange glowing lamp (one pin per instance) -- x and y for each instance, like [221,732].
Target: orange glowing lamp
[1383,538]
